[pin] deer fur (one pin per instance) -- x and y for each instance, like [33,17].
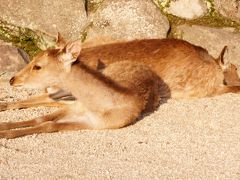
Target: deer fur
[113,98]
[113,84]
[188,70]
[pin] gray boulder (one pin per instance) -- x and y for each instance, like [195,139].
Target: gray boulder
[12,59]
[68,16]
[128,19]
[188,9]
[229,8]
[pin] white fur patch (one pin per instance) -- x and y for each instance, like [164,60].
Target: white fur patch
[66,57]
[67,60]
[87,118]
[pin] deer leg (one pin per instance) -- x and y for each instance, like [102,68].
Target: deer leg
[57,99]
[45,127]
[43,100]
[50,117]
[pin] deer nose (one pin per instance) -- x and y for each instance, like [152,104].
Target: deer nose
[12,80]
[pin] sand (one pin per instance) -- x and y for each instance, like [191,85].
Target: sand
[183,139]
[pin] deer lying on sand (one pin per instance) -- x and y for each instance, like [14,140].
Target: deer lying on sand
[109,99]
[188,70]
[135,76]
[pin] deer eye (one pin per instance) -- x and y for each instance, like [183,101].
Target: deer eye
[36,67]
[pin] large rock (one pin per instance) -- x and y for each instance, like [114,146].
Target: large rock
[229,8]
[188,9]
[213,39]
[66,16]
[12,59]
[128,19]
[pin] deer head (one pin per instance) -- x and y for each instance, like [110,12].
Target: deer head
[46,68]
[229,70]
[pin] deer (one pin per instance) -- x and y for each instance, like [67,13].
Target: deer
[188,70]
[111,99]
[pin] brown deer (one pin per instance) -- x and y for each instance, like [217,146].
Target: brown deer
[188,70]
[110,99]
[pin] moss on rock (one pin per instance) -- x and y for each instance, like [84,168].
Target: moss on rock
[30,41]
[214,20]
[211,19]
[162,4]
[92,5]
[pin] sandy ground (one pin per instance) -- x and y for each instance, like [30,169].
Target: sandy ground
[183,139]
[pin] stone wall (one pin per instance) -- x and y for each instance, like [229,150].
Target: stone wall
[33,25]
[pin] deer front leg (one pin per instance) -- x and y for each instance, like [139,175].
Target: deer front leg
[43,100]
[57,99]
[46,127]
[50,117]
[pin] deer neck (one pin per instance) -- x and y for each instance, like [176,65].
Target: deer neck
[91,87]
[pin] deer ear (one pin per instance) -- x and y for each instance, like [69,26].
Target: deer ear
[73,48]
[222,60]
[60,41]
[100,65]
[70,53]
